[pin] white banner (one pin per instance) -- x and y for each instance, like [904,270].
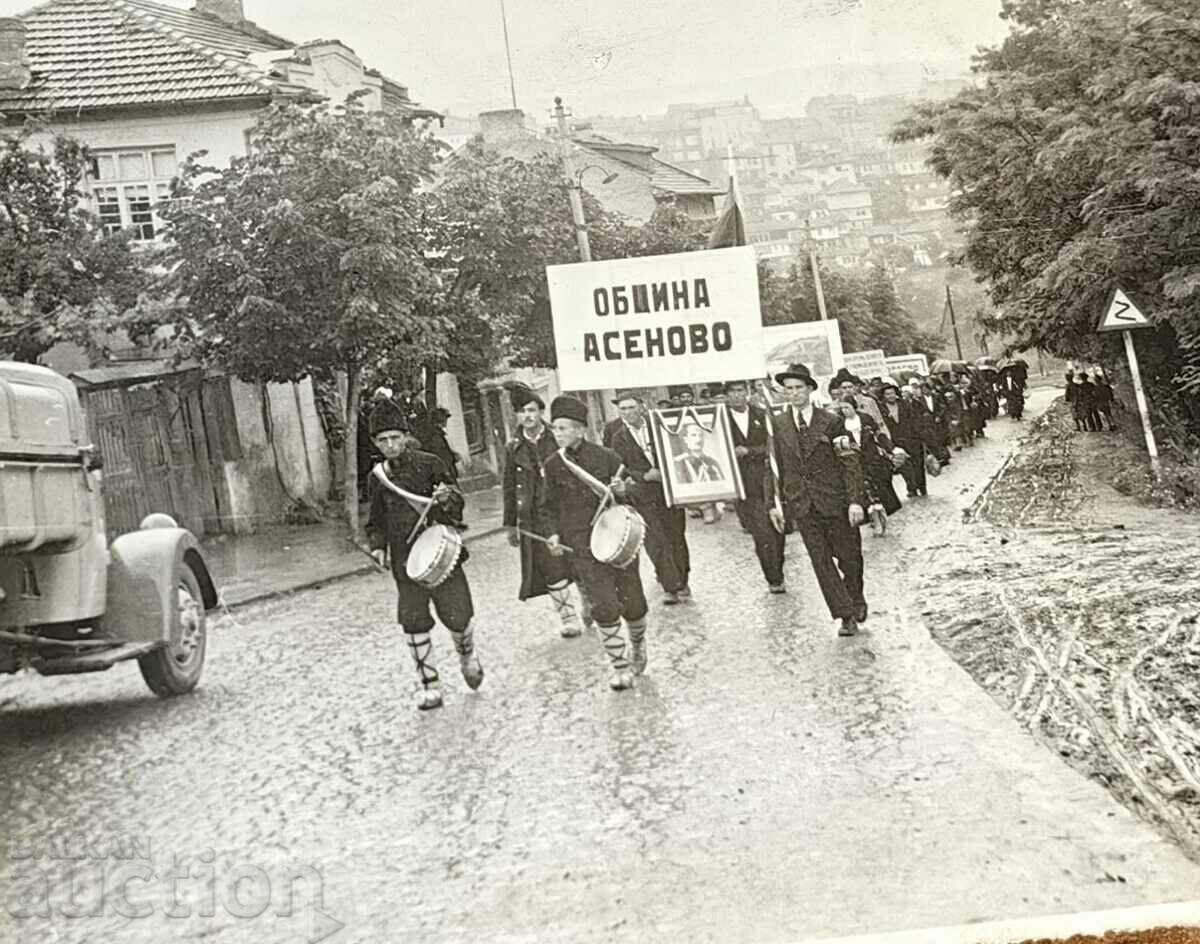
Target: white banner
[815,344]
[866,364]
[917,362]
[688,317]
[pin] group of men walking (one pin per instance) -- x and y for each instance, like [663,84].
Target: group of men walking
[816,471]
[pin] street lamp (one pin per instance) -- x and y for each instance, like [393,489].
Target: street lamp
[608,178]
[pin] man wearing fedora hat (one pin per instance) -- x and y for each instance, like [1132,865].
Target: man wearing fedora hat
[822,490]
[524,458]
[666,528]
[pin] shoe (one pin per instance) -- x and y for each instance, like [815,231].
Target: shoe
[860,613]
[685,592]
[670,598]
[849,627]
[472,672]
[571,630]
[621,681]
[776,588]
[429,698]
[637,655]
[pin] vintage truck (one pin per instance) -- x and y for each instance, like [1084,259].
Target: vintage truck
[70,602]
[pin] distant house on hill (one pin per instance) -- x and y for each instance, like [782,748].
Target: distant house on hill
[144,84]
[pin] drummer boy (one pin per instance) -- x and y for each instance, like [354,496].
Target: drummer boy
[565,512]
[389,526]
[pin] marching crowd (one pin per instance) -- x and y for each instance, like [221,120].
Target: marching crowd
[820,471]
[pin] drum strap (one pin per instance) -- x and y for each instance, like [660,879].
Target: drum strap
[419,503]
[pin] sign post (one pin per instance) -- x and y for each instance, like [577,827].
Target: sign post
[1123,315]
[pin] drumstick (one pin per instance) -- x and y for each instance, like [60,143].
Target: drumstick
[538,537]
[358,547]
[607,496]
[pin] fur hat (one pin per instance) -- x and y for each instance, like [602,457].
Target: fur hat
[677,390]
[519,395]
[568,408]
[798,372]
[386,415]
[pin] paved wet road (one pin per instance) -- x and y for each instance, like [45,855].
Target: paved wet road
[766,781]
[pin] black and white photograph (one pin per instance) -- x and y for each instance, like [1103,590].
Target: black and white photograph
[600,472]
[700,465]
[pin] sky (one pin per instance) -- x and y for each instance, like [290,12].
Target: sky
[628,57]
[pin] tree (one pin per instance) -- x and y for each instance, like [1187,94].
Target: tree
[63,277]
[308,256]
[866,306]
[1074,164]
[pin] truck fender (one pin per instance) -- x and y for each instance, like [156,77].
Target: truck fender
[143,581]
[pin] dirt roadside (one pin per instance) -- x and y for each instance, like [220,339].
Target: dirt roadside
[1078,610]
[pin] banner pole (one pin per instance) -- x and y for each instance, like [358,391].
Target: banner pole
[771,448]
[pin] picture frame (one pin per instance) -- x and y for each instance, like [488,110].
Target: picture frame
[698,462]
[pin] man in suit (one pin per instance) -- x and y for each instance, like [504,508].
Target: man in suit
[666,539]
[823,492]
[748,427]
[696,465]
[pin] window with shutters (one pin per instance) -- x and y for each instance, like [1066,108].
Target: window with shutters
[126,186]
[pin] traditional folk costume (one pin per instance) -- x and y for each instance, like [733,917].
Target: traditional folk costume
[524,479]
[391,524]
[567,506]
[818,483]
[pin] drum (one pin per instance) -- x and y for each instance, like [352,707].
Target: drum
[617,536]
[434,555]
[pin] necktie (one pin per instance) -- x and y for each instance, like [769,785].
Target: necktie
[801,426]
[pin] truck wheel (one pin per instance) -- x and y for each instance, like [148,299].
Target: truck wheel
[175,669]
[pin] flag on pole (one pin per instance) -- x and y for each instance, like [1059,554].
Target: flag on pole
[731,227]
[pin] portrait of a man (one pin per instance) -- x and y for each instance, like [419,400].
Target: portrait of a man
[697,449]
[695,465]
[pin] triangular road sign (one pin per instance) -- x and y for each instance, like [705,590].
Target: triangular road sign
[1121,314]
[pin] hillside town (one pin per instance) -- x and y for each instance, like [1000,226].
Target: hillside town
[570,482]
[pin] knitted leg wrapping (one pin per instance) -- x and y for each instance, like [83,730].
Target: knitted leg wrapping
[560,595]
[464,645]
[637,645]
[420,646]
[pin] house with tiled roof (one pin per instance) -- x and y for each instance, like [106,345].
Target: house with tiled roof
[628,179]
[144,84]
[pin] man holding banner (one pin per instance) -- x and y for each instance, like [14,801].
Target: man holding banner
[748,427]
[666,528]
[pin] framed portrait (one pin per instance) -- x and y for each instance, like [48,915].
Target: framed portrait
[698,462]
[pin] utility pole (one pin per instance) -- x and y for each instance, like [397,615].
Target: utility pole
[953,324]
[573,185]
[512,84]
[816,271]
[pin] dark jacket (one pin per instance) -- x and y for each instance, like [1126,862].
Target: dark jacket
[814,478]
[392,517]
[523,484]
[609,428]
[913,426]
[644,494]
[753,464]
[566,504]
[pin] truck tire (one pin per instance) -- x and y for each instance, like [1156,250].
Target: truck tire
[175,669]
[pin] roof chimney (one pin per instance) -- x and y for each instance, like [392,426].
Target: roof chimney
[505,123]
[14,60]
[228,11]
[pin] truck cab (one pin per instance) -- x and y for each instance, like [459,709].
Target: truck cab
[70,601]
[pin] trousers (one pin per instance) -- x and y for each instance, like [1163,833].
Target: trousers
[612,592]
[666,544]
[768,543]
[829,539]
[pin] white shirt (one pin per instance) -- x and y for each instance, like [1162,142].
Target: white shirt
[806,412]
[742,419]
[642,435]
